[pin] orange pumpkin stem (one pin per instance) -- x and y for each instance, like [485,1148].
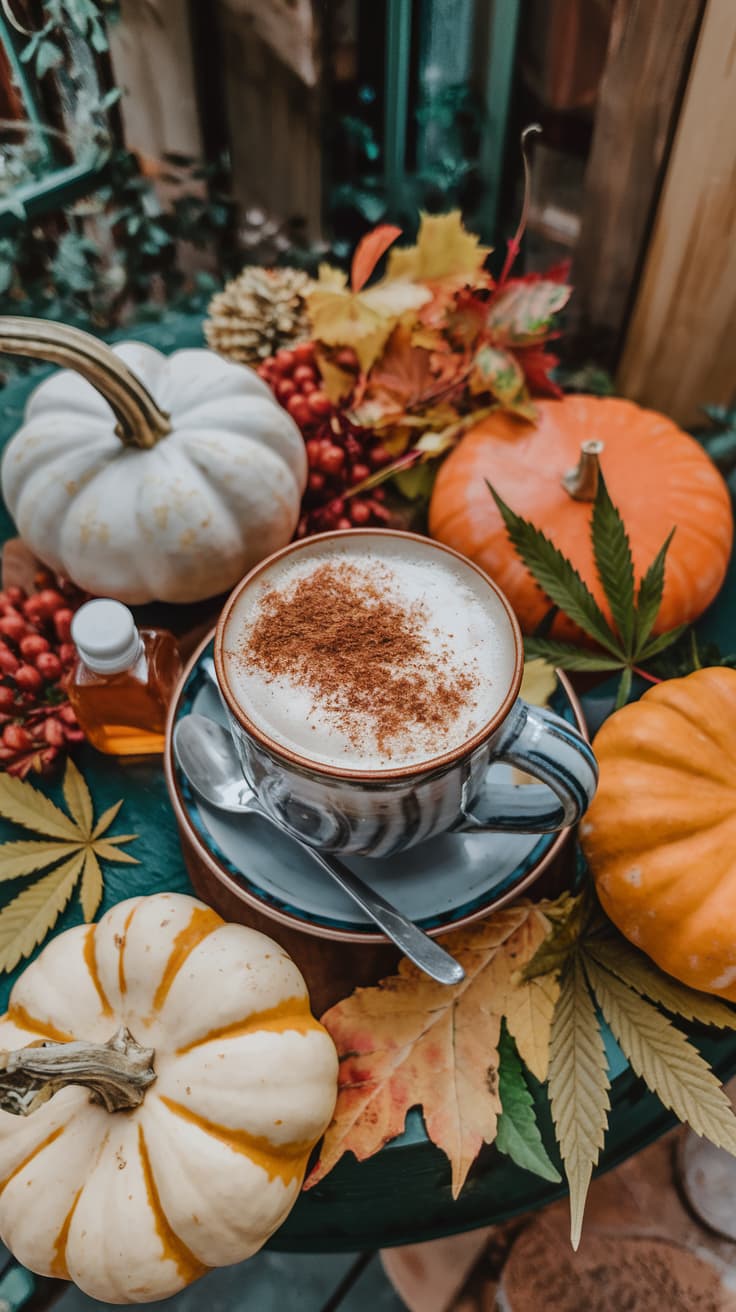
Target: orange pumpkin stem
[117,1073]
[581,483]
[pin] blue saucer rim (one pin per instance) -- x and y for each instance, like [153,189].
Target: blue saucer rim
[242,885]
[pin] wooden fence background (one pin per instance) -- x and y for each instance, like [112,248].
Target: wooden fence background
[655,264]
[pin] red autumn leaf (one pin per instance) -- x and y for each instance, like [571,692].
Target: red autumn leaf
[404,372]
[369,251]
[407,377]
[521,312]
[559,272]
[537,364]
[465,321]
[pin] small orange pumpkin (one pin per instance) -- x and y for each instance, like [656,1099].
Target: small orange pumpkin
[660,835]
[657,476]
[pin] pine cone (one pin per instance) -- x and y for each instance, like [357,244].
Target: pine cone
[257,313]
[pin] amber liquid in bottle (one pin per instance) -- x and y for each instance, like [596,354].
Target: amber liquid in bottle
[124,714]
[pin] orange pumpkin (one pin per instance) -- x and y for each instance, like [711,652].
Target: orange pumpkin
[660,835]
[657,477]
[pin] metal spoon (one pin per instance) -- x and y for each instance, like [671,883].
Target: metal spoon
[206,755]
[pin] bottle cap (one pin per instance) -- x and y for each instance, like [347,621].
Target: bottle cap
[106,637]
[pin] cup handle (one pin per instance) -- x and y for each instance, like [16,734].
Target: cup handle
[546,746]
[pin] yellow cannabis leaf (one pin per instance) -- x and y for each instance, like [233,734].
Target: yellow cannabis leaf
[669,1065]
[73,840]
[90,892]
[598,969]
[26,920]
[578,1087]
[633,968]
[444,251]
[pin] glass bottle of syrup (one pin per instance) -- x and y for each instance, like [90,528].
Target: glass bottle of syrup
[123,680]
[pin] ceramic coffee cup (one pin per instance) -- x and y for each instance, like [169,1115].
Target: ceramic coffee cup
[381,811]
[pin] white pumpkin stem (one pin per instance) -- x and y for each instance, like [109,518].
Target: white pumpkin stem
[140,421]
[117,1073]
[582,482]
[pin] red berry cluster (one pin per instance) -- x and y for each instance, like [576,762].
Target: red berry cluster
[339,453]
[37,723]
[293,377]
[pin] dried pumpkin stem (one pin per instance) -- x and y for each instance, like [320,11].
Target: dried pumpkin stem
[117,1073]
[582,482]
[140,421]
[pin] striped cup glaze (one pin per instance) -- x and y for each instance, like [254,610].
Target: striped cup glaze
[382,812]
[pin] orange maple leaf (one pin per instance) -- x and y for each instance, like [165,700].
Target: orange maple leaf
[407,378]
[410,1042]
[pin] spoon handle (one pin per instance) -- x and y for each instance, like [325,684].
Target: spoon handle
[408,937]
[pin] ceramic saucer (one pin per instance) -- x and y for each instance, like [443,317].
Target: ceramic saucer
[447,882]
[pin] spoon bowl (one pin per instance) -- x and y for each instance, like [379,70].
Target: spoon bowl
[206,755]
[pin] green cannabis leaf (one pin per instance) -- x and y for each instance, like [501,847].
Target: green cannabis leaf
[517,1133]
[629,644]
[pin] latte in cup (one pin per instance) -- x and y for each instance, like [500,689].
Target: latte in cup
[368,652]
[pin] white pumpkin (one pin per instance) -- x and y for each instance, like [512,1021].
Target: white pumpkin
[201,477]
[133,1205]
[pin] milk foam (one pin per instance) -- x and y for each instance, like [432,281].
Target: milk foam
[461,618]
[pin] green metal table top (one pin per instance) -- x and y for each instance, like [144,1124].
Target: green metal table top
[403,1194]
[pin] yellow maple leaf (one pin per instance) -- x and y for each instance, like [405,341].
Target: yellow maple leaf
[338,383]
[444,250]
[409,1041]
[73,840]
[538,682]
[364,319]
[528,1005]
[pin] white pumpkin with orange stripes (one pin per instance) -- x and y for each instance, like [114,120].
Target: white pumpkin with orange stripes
[134,1204]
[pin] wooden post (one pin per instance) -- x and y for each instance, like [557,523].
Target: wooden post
[273,108]
[151,53]
[649,52]
[679,350]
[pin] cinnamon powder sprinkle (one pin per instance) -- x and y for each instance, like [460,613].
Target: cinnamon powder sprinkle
[362,654]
